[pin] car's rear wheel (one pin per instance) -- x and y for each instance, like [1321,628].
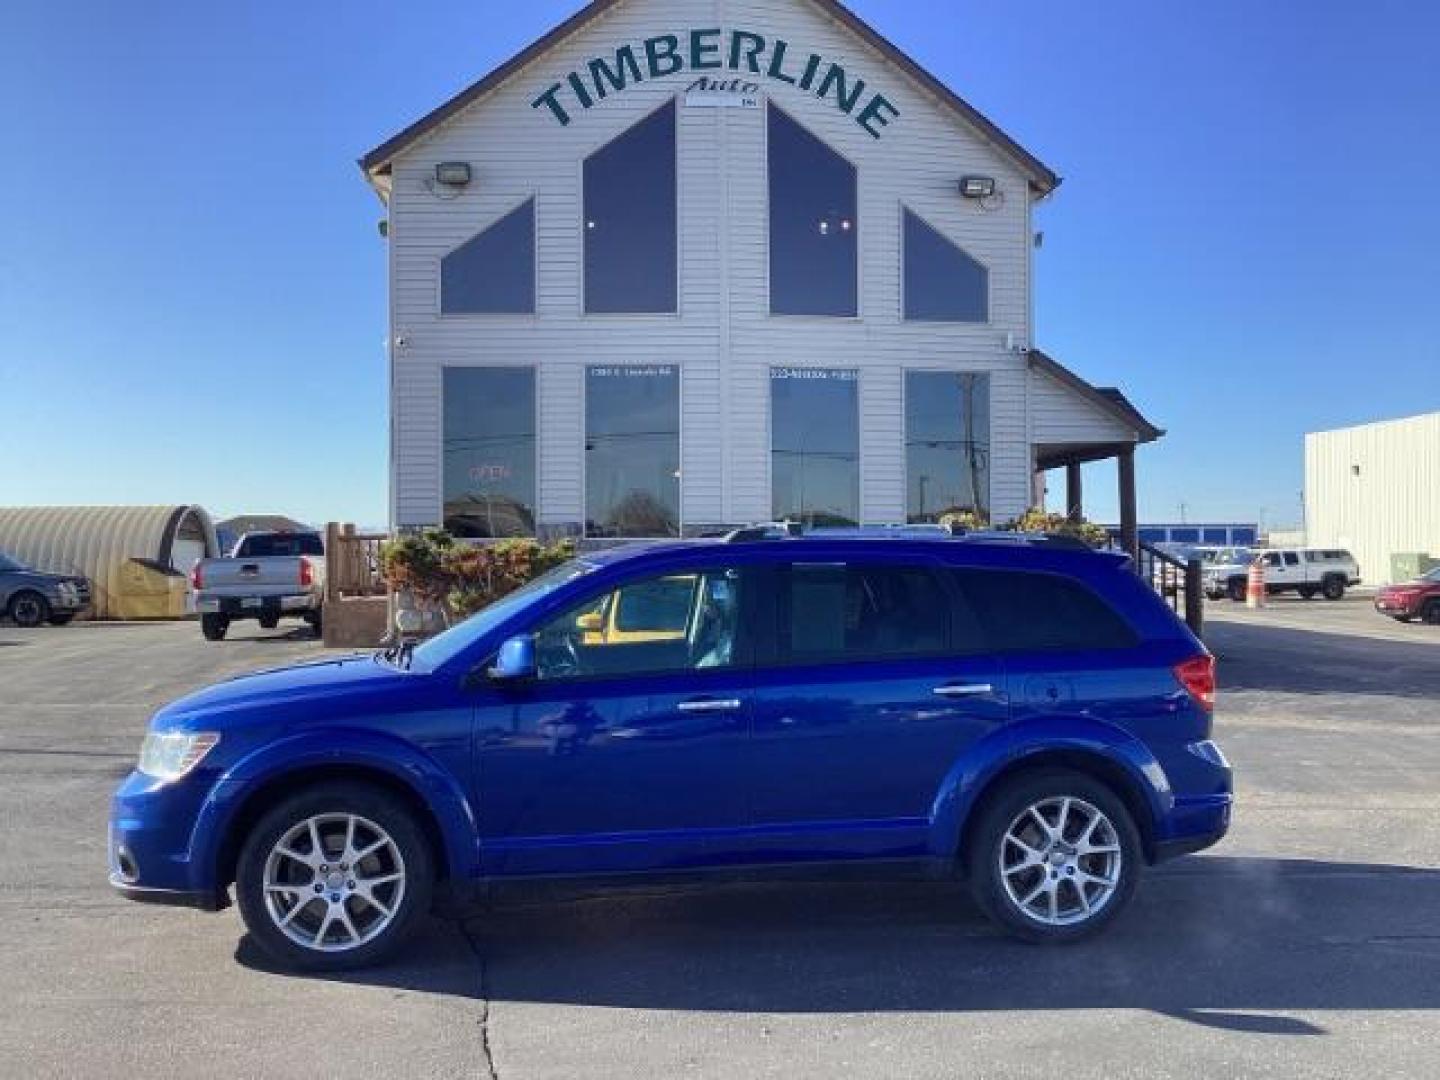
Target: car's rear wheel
[337,877]
[1054,856]
[1235,589]
[29,609]
[214,627]
[1431,613]
[1334,588]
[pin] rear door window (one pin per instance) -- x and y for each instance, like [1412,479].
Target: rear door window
[268,545]
[1024,611]
[851,612]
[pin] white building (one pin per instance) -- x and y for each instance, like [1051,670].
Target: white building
[695,263]
[1375,489]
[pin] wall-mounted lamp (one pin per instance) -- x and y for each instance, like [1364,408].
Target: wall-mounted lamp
[452,174]
[977,187]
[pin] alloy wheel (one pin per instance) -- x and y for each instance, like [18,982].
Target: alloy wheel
[1060,861]
[334,882]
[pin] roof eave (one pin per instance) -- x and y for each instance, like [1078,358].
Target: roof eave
[1041,178]
[1123,412]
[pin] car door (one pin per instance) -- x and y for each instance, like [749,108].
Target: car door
[865,698]
[627,749]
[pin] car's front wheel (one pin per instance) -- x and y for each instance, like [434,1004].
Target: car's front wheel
[29,609]
[1054,856]
[336,877]
[1334,588]
[1431,612]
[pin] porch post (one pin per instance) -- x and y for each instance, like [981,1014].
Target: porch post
[1129,526]
[1074,492]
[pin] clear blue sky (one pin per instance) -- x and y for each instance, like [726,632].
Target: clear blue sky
[192,291]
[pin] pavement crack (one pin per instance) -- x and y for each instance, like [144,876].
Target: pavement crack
[490,1071]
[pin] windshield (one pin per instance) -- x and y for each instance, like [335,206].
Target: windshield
[1433,575]
[1225,556]
[7,563]
[443,648]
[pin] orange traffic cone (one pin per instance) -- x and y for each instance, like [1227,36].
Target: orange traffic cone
[1255,585]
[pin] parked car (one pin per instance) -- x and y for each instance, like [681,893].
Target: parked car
[34,597]
[1310,572]
[1031,716]
[1417,599]
[268,576]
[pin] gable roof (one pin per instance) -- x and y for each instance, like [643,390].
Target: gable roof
[1042,179]
[1107,398]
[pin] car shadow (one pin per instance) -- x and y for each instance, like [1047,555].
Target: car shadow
[1224,942]
[1273,658]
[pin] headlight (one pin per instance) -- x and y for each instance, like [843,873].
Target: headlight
[170,755]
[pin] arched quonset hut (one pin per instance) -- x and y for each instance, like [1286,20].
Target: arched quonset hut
[137,558]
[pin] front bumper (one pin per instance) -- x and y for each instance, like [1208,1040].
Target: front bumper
[153,856]
[1397,605]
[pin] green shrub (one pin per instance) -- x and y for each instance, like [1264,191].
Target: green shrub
[459,579]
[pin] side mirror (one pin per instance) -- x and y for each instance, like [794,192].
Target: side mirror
[590,623]
[515,661]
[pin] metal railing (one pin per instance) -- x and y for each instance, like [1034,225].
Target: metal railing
[1177,581]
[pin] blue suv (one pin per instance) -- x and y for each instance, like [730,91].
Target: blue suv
[1031,717]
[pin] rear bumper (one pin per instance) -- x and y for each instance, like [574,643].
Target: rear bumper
[1197,822]
[242,607]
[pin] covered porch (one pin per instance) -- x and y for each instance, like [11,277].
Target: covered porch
[1074,423]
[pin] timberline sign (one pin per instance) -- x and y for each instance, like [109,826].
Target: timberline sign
[741,51]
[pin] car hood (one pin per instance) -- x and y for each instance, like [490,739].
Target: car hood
[1413,585]
[37,578]
[238,698]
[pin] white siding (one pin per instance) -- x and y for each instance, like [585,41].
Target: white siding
[1060,416]
[1391,506]
[724,338]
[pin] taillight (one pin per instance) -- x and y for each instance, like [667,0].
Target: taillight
[197,577]
[1197,676]
[307,573]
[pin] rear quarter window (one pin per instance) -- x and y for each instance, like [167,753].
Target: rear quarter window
[1026,611]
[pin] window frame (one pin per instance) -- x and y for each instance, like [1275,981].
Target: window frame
[860,456]
[581,310]
[997,646]
[988,321]
[530,316]
[817,320]
[534,369]
[585,454]
[773,652]
[746,624]
[926,369]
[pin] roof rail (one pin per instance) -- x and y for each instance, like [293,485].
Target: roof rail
[792,530]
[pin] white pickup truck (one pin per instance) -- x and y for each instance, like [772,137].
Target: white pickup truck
[267,576]
[1310,572]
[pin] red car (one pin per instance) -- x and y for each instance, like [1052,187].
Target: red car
[1412,599]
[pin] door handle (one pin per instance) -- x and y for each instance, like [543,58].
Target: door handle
[710,705]
[964,690]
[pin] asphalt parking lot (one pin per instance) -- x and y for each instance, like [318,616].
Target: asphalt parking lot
[1307,944]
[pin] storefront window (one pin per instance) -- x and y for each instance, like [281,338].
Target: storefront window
[947,444]
[942,283]
[489,416]
[493,272]
[815,446]
[813,224]
[630,220]
[632,451]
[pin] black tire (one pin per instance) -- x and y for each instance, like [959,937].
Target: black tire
[1004,807]
[61,620]
[1430,613]
[1307,592]
[316,622]
[1402,618]
[1235,589]
[339,798]
[214,627]
[28,609]
[269,622]
[1333,588]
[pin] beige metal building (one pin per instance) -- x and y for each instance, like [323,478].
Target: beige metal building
[1375,489]
[137,558]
